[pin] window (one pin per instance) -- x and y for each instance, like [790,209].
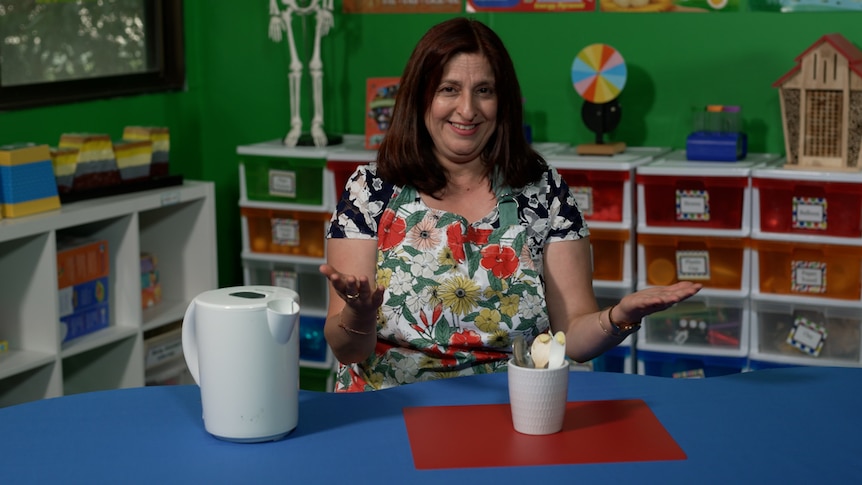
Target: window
[63,51]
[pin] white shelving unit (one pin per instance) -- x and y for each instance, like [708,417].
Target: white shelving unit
[177,224]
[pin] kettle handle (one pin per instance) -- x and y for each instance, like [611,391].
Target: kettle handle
[190,341]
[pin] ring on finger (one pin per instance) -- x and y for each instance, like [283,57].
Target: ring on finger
[352,297]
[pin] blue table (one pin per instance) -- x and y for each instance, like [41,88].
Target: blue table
[795,425]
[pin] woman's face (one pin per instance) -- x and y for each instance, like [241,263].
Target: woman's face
[463,114]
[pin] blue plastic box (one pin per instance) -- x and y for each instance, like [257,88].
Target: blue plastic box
[313,348]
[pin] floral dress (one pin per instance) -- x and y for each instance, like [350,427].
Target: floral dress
[456,293]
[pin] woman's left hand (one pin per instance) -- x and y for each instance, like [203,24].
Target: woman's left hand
[636,306]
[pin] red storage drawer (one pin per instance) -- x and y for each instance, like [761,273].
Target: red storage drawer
[693,201]
[810,206]
[600,194]
[674,192]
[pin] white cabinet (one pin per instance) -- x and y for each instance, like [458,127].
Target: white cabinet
[177,224]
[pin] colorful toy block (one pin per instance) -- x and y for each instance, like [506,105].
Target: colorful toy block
[161,139]
[27,184]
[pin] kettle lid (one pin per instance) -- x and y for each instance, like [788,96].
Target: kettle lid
[245,298]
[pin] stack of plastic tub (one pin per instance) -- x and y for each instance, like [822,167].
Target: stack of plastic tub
[694,224]
[603,187]
[806,268]
[286,203]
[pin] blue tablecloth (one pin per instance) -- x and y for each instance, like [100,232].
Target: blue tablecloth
[795,425]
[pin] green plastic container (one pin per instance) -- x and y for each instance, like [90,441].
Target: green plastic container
[293,180]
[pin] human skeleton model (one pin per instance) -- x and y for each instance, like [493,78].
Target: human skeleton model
[322,10]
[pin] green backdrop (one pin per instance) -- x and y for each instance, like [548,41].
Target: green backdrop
[237,87]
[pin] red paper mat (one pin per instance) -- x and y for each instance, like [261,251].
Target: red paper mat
[483,436]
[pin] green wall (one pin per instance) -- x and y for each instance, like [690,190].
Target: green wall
[237,82]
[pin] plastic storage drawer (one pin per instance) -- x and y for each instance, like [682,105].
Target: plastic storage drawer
[668,364]
[292,180]
[600,194]
[612,254]
[700,325]
[716,262]
[789,332]
[305,279]
[811,203]
[603,186]
[674,192]
[811,270]
[286,231]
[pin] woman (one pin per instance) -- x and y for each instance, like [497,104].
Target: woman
[461,237]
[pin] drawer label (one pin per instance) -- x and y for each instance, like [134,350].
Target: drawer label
[808,277]
[584,199]
[285,232]
[692,205]
[809,213]
[807,336]
[692,265]
[282,183]
[284,279]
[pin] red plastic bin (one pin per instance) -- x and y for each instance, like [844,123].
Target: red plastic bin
[831,208]
[600,193]
[724,200]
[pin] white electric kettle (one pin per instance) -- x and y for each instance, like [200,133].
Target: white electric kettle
[241,345]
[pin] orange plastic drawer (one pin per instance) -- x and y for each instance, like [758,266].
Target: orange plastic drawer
[716,262]
[610,253]
[286,231]
[810,207]
[599,193]
[818,270]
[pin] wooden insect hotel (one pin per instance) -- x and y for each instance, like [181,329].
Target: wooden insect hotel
[821,107]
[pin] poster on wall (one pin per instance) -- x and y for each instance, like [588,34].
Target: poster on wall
[679,6]
[791,6]
[402,6]
[531,5]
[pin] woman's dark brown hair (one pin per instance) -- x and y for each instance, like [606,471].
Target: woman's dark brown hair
[406,156]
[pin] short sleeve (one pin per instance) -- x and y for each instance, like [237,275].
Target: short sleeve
[361,205]
[565,217]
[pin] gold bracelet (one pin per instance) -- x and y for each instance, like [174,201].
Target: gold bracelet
[617,330]
[348,329]
[606,331]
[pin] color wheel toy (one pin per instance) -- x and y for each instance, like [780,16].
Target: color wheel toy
[599,76]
